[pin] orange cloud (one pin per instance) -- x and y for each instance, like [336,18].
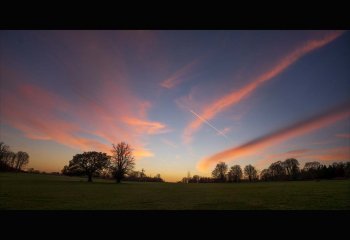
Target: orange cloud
[180,75]
[146,126]
[34,114]
[142,153]
[297,129]
[237,96]
[43,115]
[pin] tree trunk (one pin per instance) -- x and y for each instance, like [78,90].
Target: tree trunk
[90,178]
[118,180]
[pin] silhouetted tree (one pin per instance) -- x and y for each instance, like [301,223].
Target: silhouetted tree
[277,170]
[8,160]
[105,172]
[312,165]
[21,160]
[135,175]
[142,174]
[122,161]
[220,171]
[235,173]
[88,163]
[195,178]
[311,169]
[4,152]
[347,170]
[250,172]
[3,149]
[265,175]
[12,159]
[292,167]
[339,169]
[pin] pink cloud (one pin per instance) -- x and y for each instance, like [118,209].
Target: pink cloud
[146,126]
[180,75]
[343,135]
[43,115]
[322,142]
[264,163]
[298,129]
[332,154]
[322,155]
[236,96]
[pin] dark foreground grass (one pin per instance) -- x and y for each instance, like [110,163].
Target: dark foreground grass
[31,191]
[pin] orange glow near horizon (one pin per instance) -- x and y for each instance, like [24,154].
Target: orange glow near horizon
[176,97]
[42,124]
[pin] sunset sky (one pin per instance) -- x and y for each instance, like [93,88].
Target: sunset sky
[184,100]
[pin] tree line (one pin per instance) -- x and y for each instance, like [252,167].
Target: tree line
[140,176]
[119,166]
[312,170]
[11,161]
[277,171]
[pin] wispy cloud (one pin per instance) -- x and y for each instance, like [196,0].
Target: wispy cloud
[225,130]
[237,96]
[87,125]
[180,75]
[323,142]
[263,163]
[308,154]
[343,135]
[300,128]
[169,143]
[147,127]
[332,154]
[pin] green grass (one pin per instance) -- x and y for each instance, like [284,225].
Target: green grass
[31,191]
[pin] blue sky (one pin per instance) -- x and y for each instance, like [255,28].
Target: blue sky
[64,92]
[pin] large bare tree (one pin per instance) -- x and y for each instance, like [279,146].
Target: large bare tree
[3,149]
[122,161]
[4,152]
[22,160]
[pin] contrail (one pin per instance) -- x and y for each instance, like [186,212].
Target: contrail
[208,123]
[238,95]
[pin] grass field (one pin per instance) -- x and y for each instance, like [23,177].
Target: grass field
[30,191]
